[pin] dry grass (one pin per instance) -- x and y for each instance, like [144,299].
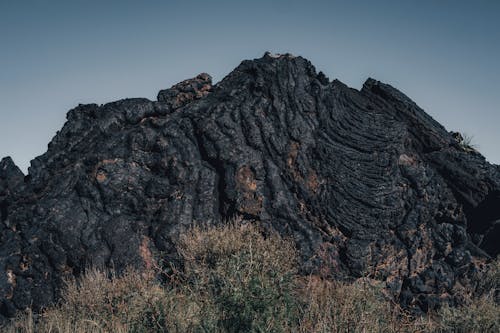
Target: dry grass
[97,302]
[238,279]
[479,314]
[360,306]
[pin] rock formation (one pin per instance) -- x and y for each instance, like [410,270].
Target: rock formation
[364,181]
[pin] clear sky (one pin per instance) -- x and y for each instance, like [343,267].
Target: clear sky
[55,54]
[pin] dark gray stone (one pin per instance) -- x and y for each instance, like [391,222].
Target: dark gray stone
[365,181]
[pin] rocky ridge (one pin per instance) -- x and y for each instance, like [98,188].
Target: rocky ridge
[364,181]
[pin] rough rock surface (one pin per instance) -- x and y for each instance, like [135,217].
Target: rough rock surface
[365,181]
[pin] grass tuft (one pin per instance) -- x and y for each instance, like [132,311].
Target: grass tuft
[237,278]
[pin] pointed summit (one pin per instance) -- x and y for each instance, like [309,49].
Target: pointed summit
[10,179]
[9,170]
[273,70]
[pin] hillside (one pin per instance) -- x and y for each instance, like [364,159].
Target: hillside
[364,182]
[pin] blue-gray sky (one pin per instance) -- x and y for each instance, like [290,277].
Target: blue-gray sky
[55,54]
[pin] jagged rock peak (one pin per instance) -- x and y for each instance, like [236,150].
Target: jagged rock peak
[272,71]
[11,178]
[6,161]
[269,54]
[280,63]
[9,169]
[187,91]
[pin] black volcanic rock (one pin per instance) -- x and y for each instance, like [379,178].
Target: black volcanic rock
[365,182]
[10,179]
[186,91]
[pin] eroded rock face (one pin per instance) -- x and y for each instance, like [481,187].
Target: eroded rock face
[186,91]
[11,179]
[365,182]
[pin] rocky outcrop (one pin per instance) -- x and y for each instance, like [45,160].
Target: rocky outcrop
[11,179]
[186,91]
[364,181]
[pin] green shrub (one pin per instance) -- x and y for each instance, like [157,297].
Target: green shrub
[237,278]
[243,280]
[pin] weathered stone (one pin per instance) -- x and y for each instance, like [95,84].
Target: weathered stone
[186,91]
[364,181]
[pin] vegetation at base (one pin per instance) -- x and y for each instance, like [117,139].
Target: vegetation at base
[237,278]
